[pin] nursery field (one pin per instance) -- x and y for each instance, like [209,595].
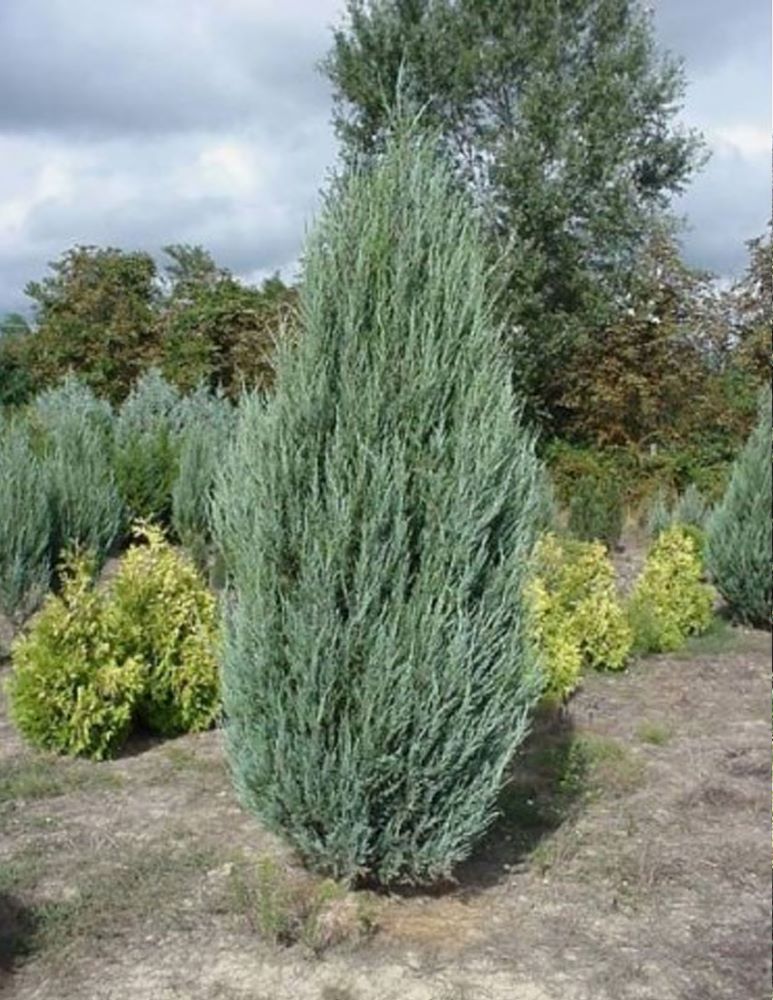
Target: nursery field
[437,664]
[630,861]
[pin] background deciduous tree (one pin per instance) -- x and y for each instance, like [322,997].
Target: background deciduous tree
[561,118]
[753,296]
[17,380]
[217,330]
[659,373]
[110,316]
[94,316]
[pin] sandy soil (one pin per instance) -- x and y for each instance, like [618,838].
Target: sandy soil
[631,862]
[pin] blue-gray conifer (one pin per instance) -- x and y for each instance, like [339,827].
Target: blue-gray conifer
[376,516]
[26,521]
[77,440]
[740,532]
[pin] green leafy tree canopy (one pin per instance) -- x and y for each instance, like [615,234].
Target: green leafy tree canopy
[94,316]
[559,116]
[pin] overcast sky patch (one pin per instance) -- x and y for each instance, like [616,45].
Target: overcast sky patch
[192,121]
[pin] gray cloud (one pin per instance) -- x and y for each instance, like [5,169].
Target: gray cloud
[141,123]
[15,272]
[725,207]
[144,67]
[184,121]
[707,32]
[726,52]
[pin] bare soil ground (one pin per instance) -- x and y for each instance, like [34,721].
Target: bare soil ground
[631,862]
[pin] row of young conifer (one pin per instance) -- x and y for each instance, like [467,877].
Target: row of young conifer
[376,518]
[76,473]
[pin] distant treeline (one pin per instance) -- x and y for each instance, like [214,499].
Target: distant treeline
[679,367]
[109,315]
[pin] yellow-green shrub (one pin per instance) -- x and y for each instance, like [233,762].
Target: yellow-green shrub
[670,600]
[576,620]
[72,689]
[165,617]
[140,649]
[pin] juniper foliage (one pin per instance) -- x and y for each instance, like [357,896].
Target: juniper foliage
[659,515]
[377,517]
[689,508]
[207,420]
[26,521]
[596,510]
[77,430]
[146,447]
[740,535]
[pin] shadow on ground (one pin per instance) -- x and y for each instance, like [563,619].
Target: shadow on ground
[542,792]
[139,742]
[18,926]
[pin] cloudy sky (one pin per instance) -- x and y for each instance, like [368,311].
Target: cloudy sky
[136,123]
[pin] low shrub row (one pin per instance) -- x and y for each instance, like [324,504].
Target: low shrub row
[98,660]
[641,473]
[576,618]
[141,649]
[671,600]
[689,508]
[578,621]
[76,473]
[734,537]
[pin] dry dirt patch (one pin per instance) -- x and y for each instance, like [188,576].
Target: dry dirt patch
[631,862]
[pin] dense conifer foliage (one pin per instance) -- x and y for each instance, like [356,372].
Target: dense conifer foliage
[147,441]
[26,521]
[76,444]
[377,516]
[739,532]
[207,422]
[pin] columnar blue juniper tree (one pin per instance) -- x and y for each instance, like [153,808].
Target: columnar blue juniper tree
[147,433]
[376,517]
[77,438]
[207,420]
[26,521]
[740,532]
